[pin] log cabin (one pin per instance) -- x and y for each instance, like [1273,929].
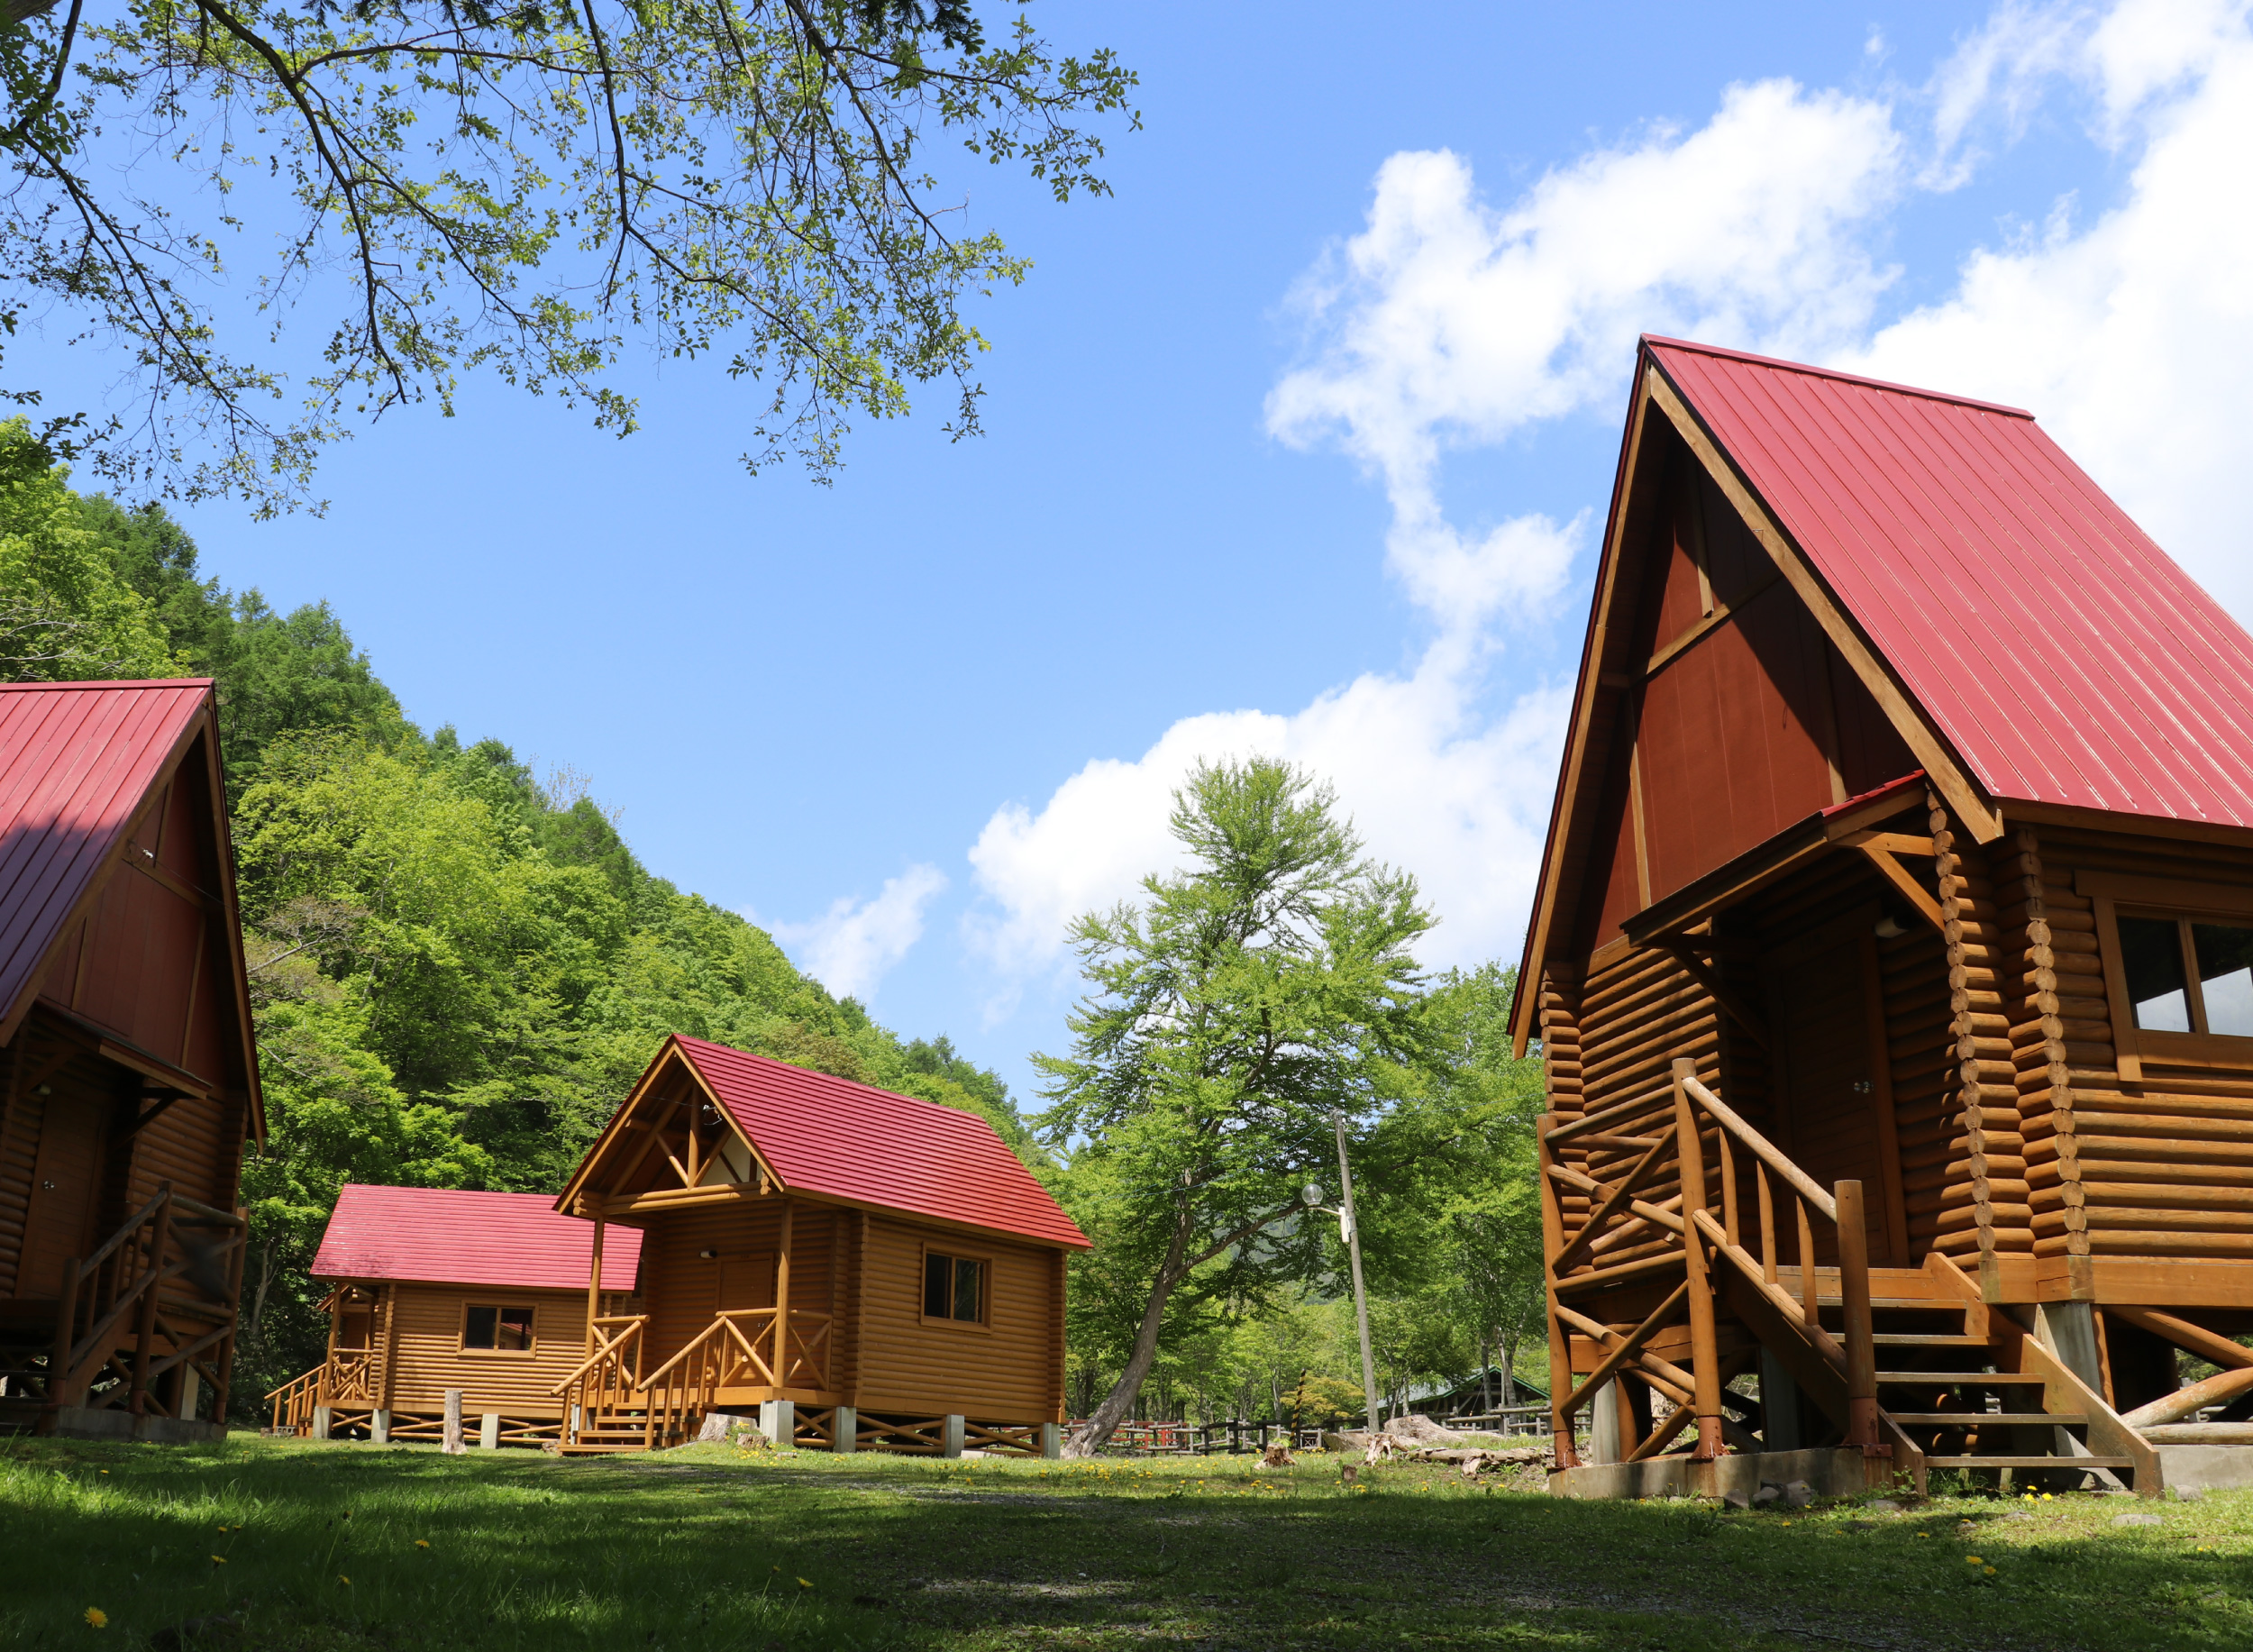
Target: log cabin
[860,1270]
[438,1289]
[1891,961]
[128,1077]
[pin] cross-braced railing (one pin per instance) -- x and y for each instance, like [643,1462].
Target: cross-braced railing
[1647,1169]
[157,1301]
[609,1378]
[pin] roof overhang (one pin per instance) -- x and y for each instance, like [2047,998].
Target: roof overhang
[577,1199]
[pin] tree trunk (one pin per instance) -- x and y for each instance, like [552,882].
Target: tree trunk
[1087,1441]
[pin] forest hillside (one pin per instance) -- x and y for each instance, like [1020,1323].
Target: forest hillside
[458,967]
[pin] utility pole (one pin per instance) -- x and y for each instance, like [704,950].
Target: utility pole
[1353,1250]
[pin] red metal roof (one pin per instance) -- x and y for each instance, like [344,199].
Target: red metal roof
[2064,656]
[76,759]
[824,1135]
[453,1236]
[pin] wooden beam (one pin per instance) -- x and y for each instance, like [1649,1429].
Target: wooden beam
[2192,1338]
[1621,1192]
[1898,875]
[1680,949]
[1922,739]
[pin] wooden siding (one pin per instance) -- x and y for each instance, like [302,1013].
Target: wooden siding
[2155,1170]
[418,1329]
[1007,1370]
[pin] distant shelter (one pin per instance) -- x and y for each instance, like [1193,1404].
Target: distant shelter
[856,1268]
[434,1289]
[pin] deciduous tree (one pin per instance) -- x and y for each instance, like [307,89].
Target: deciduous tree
[1230,1010]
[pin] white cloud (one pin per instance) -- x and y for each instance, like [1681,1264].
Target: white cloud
[850,947]
[1450,323]
[1434,786]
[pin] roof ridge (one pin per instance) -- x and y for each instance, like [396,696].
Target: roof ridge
[108,682]
[816,1072]
[1813,371]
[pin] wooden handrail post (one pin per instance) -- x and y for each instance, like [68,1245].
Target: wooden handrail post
[782,1301]
[594,1281]
[1767,1221]
[1560,1339]
[145,1332]
[1705,1359]
[1854,1292]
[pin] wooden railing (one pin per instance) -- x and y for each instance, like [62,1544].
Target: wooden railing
[1629,1236]
[174,1272]
[294,1401]
[608,1380]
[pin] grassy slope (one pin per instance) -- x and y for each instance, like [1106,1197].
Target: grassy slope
[705,1548]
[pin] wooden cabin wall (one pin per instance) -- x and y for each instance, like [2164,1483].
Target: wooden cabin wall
[420,1332]
[1010,1370]
[1988,1215]
[2135,1177]
[680,1289]
[1921,1051]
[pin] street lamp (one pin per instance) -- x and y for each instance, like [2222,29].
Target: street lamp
[1349,1234]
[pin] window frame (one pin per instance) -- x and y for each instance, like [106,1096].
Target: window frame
[2111,894]
[462,1331]
[984,1259]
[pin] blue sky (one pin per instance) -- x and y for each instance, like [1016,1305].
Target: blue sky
[1293,446]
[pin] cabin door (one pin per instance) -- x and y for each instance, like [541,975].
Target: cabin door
[746,1281]
[1832,1104]
[66,1181]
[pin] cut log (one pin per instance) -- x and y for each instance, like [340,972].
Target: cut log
[2197,1397]
[2199,1433]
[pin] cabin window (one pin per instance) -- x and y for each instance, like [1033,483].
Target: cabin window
[2186,975]
[502,1331]
[954,1288]
[2178,971]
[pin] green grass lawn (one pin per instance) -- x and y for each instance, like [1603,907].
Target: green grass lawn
[324,1547]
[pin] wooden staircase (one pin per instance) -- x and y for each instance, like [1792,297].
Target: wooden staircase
[1909,1365]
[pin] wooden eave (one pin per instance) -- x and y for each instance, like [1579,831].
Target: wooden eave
[1604,671]
[576,1193]
[1761,865]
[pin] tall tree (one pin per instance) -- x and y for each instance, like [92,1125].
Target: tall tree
[1231,1010]
[522,186]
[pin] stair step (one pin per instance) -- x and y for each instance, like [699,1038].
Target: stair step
[1933,1462]
[1966,1379]
[1988,1419]
[1926,1340]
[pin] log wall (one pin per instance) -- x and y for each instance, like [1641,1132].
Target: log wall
[418,1329]
[1010,1369]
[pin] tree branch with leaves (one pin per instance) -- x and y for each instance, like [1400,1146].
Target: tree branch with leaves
[528,188]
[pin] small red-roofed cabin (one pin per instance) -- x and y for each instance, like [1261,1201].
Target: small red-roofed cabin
[910,1266]
[128,1077]
[1902,859]
[437,1289]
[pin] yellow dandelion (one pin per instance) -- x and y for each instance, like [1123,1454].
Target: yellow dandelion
[1991,1571]
[422,1543]
[89,1609]
[343,1580]
[2048,1497]
[95,1618]
[1973,1560]
[219,1560]
[805,1582]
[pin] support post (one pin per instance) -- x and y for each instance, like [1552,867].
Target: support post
[321,1416]
[1780,1410]
[844,1429]
[594,1282]
[1704,1341]
[450,1443]
[782,1305]
[489,1432]
[1560,1339]
[777,1420]
[1604,1445]
[1353,1252]
[1854,1292]
[145,1334]
[1053,1439]
[191,1393]
[951,1435]
[379,1426]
